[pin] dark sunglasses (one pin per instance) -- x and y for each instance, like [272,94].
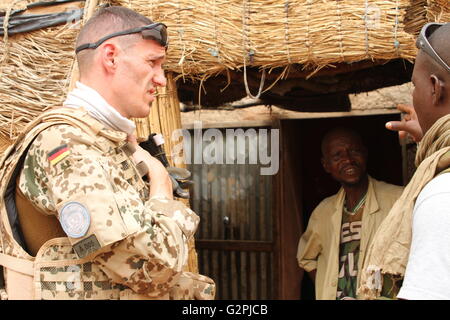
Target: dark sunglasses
[154,31]
[423,43]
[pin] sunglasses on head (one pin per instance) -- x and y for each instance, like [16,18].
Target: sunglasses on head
[154,31]
[423,44]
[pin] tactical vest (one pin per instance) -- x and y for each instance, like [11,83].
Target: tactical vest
[55,272]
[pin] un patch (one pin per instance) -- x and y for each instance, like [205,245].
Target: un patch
[75,219]
[86,246]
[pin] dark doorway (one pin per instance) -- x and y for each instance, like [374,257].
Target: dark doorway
[313,184]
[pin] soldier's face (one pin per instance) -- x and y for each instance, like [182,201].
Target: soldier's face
[139,74]
[345,159]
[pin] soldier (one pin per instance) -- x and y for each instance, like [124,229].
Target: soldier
[78,221]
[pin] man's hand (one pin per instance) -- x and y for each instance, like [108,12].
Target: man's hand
[160,184]
[409,124]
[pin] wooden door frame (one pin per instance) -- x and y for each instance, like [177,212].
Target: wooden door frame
[287,227]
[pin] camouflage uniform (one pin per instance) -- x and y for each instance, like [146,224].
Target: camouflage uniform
[133,246]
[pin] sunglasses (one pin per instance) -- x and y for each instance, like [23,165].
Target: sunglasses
[154,31]
[423,43]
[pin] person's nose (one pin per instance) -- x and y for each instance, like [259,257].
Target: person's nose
[159,79]
[347,157]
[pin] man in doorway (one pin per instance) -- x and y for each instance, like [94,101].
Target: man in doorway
[413,244]
[333,247]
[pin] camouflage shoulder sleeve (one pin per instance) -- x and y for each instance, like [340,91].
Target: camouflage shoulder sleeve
[193,286]
[184,217]
[63,175]
[40,165]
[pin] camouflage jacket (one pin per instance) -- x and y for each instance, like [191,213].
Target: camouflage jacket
[122,242]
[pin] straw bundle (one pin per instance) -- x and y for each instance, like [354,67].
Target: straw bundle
[34,69]
[4,144]
[209,36]
[423,11]
[16,4]
[416,16]
[438,10]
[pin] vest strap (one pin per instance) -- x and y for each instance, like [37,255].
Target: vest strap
[17,264]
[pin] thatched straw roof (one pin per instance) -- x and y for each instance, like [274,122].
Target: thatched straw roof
[211,36]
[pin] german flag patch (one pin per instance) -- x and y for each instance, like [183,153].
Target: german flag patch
[58,154]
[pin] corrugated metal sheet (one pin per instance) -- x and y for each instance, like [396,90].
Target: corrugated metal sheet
[234,239]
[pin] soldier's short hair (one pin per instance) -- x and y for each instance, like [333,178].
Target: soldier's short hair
[105,21]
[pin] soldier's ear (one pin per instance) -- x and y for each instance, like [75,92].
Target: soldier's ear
[108,56]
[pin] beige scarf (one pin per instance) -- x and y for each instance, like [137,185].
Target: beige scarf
[98,107]
[389,251]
